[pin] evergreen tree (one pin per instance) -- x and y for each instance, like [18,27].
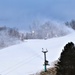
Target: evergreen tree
[66,63]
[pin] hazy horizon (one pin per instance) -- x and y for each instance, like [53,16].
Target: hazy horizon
[21,13]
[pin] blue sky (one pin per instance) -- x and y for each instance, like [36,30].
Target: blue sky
[20,13]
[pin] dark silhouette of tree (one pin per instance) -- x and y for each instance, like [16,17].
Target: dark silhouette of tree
[66,63]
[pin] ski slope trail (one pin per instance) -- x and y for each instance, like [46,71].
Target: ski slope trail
[27,58]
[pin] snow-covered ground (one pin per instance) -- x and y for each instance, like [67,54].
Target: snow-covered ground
[27,58]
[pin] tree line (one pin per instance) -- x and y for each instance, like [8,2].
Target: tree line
[70,24]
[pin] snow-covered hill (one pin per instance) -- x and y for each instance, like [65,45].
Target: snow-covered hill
[43,30]
[27,58]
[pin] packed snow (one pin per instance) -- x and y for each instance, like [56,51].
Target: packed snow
[27,58]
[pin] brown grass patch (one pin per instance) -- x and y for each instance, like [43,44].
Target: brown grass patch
[50,71]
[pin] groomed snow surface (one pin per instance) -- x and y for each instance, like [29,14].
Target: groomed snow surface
[27,58]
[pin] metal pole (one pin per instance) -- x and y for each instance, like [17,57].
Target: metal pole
[45,64]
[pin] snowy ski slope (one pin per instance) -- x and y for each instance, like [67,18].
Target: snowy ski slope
[27,58]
